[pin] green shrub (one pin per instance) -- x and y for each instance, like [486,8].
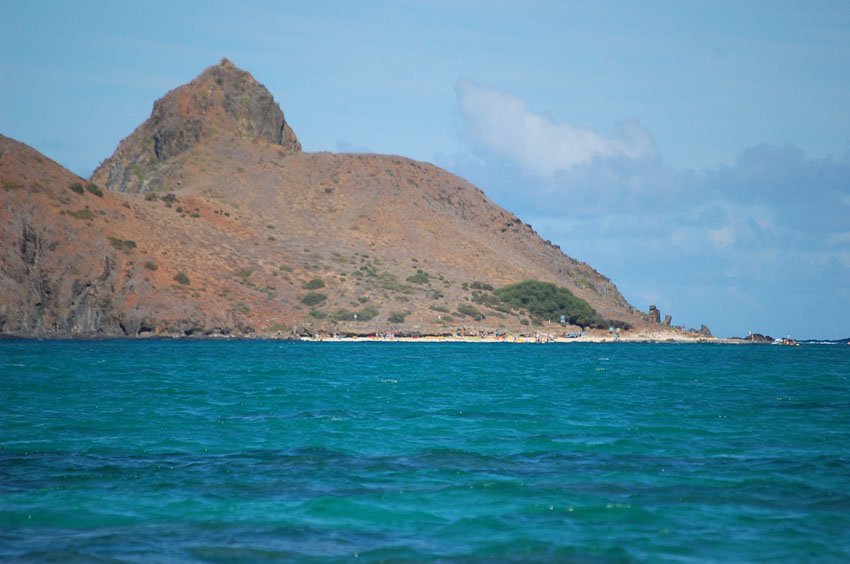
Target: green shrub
[76,187]
[548,302]
[476,285]
[94,189]
[169,198]
[122,245]
[318,314]
[397,317]
[388,281]
[84,213]
[313,298]
[151,196]
[489,300]
[181,278]
[365,314]
[313,284]
[151,265]
[469,311]
[441,309]
[421,277]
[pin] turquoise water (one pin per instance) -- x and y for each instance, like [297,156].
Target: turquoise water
[259,450]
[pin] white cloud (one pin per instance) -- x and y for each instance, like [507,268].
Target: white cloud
[502,123]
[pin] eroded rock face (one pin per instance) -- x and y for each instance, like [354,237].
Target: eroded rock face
[224,101]
[668,320]
[705,331]
[759,338]
[654,314]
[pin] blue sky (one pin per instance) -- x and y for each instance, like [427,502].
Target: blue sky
[698,153]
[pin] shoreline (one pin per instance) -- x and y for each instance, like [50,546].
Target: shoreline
[593,336]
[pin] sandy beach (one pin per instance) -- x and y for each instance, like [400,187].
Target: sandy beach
[541,337]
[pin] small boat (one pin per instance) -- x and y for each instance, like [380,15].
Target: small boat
[787,342]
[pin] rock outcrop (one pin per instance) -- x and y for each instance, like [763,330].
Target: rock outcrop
[759,338]
[224,101]
[654,314]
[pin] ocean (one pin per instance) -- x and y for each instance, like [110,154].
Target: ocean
[219,451]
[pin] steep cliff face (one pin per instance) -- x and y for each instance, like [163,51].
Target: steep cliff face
[224,101]
[68,265]
[214,222]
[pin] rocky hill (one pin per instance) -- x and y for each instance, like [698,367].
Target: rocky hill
[209,219]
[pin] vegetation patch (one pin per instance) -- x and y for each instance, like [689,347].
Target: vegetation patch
[84,213]
[151,265]
[469,311]
[313,298]
[397,317]
[548,302]
[388,281]
[94,189]
[74,187]
[486,299]
[364,314]
[181,278]
[122,244]
[369,270]
[476,285]
[421,277]
[318,314]
[313,284]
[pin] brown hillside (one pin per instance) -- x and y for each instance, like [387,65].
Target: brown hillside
[214,186]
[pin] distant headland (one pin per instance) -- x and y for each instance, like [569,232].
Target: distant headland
[209,220]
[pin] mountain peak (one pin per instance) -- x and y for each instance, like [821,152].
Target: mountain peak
[223,101]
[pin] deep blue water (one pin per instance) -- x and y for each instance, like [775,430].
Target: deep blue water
[261,450]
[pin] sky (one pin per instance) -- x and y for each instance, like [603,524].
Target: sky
[695,152]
